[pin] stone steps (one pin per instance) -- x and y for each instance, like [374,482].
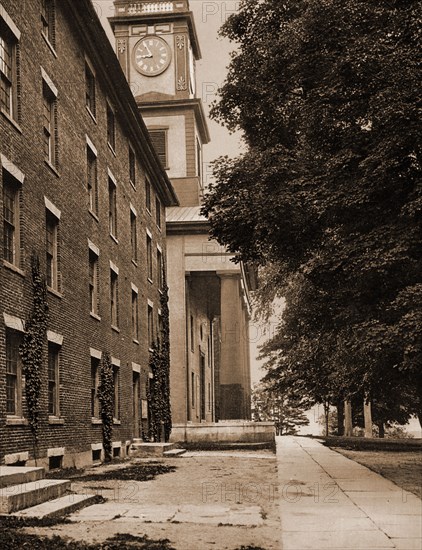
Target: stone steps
[14,475]
[24,495]
[174,452]
[25,492]
[141,449]
[59,507]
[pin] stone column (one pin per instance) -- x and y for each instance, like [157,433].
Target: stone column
[232,349]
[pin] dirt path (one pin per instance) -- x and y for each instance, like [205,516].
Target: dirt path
[214,500]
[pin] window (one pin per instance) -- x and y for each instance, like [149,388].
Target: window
[112,207]
[135,315]
[93,282]
[160,269]
[192,385]
[92,179]
[160,326]
[149,257]
[133,235]
[199,160]
[148,195]
[132,167]
[52,259]
[8,69]
[192,334]
[90,100]
[150,325]
[95,382]
[159,141]
[48,20]
[11,225]
[158,212]
[116,403]
[50,125]
[111,127]
[114,298]
[53,380]
[13,373]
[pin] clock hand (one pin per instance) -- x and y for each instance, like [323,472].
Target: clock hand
[148,50]
[144,56]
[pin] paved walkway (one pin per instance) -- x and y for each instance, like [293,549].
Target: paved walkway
[330,502]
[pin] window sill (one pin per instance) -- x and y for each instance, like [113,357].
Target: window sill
[95,316]
[132,184]
[52,167]
[116,329]
[135,341]
[148,210]
[14,268]
[54,292]
[16,421]
[11,120]
[114,238]
[135,263]
[96,421]
[116,422]
[91,114]
[50,45]
[150,280]
[111,148]
[94,215]
[56,420]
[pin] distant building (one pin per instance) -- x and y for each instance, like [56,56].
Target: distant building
[157,46]
[82,189]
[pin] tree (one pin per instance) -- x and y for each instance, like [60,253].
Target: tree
[329,190]
[286,410]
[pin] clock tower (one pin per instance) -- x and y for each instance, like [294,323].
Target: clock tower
[157,45]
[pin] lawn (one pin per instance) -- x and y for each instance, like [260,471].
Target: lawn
[399,460]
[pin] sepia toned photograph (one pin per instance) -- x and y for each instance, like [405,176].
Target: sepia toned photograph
[211,275]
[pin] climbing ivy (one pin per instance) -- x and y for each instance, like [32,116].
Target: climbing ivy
[106,399]
[159,387]
[31,349]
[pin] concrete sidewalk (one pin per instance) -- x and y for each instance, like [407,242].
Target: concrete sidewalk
[330,502]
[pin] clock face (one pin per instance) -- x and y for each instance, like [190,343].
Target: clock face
[152,55]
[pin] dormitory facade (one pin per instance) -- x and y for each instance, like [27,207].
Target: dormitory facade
[84,192]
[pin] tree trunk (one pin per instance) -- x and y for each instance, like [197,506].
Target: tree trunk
[340,418]
[348,425]
[381,430]
[367,413]
[326,413]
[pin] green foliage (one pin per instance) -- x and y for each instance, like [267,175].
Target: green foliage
[328,195]
[31,349]
[106,399]
[159,387]
[285,408]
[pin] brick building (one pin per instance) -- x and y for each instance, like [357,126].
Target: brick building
[84,191]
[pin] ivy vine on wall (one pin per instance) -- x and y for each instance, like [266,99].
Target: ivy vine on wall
[106,399]
[31,349]
[159,388]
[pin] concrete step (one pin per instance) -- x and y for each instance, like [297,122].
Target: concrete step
[17,497]
[58,507]
[174,452]
[15,475]
[140,449]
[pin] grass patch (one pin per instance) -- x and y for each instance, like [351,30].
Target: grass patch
[12,538]
[398,460]
[374,444]
[138,472]
[217,446]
